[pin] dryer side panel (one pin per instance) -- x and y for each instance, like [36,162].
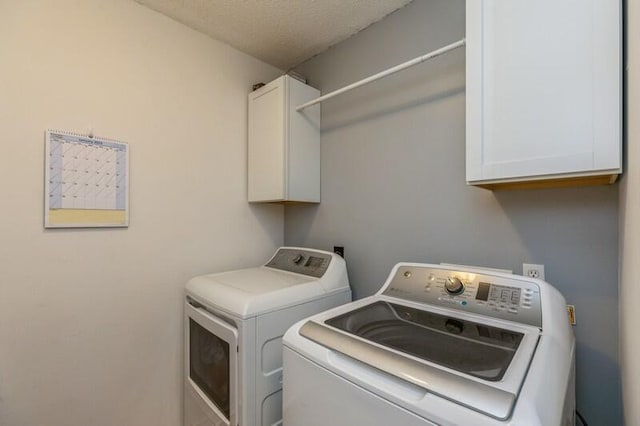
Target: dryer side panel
[268,368]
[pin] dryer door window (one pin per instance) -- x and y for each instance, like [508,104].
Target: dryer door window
[211,358]
[209,365]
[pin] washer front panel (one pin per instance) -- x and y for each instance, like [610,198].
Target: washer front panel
[496,296]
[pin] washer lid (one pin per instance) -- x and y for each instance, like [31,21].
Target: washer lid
[472,348]
[475,364]
[249,292]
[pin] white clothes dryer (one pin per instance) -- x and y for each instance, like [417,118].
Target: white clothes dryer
[437,345]
[234,322]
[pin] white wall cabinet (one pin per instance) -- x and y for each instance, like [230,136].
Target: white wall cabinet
[284,144]
[544,92]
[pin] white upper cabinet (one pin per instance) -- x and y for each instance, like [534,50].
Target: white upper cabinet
[284,144]
[544,92]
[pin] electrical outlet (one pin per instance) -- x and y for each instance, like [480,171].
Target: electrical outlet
[533,271]
[339,250]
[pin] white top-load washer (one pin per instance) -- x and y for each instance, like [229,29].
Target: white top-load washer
[234,322]
[437,345]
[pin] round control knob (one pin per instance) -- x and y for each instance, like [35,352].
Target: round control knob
[453,285]
[299,258]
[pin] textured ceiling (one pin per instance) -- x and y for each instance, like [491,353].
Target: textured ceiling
[282,33]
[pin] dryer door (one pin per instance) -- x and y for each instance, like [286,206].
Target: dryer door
[211,358]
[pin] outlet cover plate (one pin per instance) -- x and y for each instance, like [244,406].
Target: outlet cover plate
[533,270]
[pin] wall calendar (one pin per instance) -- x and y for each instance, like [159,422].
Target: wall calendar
[86,181]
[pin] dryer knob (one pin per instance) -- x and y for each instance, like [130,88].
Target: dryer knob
[299,258]
[453,285]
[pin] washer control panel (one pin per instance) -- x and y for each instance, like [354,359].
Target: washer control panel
[301,261]
[514,299]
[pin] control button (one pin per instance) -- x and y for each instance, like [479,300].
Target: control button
[502,307]
[479,302]
[453,285]
[513,310]
[431,277]
[463,303]
[492,304]
[407,274]
[299,258]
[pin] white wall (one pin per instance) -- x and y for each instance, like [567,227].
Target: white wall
[90,320]
[630,228]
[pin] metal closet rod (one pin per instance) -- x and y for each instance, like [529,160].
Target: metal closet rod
[385,73]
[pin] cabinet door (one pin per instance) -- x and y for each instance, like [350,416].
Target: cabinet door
[266,147]
[543,88]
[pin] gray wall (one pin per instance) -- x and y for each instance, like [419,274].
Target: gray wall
[393,189]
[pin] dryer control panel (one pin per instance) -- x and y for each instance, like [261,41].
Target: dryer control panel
[512,298]
[301,261]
